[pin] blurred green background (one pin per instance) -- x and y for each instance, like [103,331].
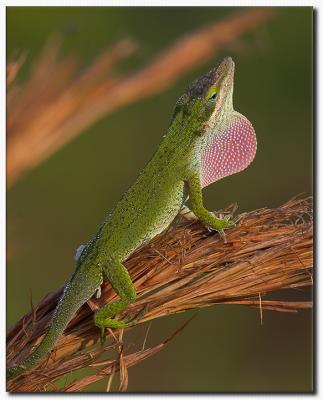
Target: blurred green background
[59,205]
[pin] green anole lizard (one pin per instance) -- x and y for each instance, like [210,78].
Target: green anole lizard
[206,141]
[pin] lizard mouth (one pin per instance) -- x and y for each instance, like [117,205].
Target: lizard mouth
[224,78]
[226,68]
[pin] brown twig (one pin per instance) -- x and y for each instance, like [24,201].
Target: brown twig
[55,104]
[184,268]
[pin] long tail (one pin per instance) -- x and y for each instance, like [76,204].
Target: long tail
[80,288]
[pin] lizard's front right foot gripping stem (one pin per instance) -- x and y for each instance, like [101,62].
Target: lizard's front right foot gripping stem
[195,193]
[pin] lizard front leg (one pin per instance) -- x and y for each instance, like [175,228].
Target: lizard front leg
[196,197]
[117,274]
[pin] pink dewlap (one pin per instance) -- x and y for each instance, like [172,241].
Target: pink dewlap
[231,151]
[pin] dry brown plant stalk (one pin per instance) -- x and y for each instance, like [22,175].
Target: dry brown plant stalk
[56,103]
[186,267]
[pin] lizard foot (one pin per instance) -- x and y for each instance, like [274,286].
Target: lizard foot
[114,323]
[225,222]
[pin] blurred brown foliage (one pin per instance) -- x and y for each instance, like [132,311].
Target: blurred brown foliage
[57,101]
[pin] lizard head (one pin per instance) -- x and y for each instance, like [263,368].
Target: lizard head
[208,100]
[225,140]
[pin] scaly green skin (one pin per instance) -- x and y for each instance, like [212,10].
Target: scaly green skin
[149,206]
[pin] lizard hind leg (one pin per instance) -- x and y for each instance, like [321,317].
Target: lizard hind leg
[118,276]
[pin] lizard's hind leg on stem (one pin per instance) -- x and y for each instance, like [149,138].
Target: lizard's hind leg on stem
[117,274]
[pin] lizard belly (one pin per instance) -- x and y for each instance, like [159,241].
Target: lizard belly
[159,214]
[140,223]
[165,216]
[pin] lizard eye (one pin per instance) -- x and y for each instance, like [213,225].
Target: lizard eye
[212,93]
